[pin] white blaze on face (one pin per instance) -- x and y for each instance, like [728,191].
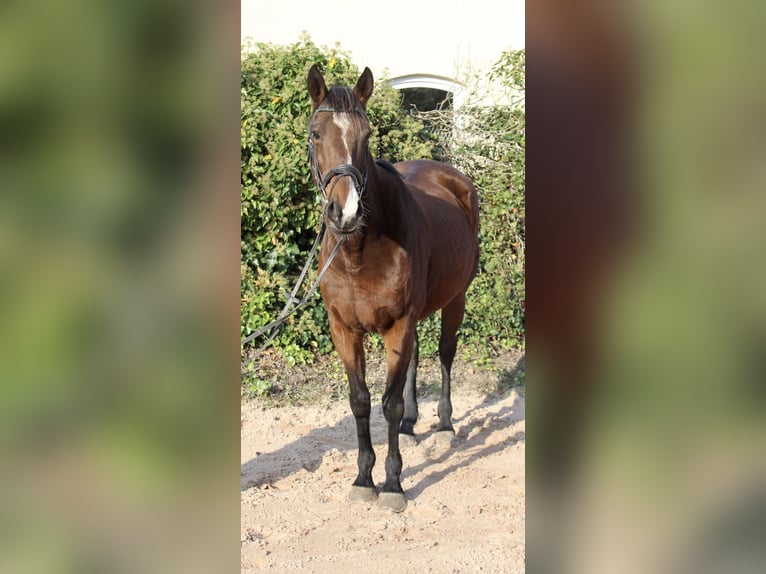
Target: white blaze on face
[352,200]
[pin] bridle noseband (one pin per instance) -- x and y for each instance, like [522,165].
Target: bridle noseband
[342,170]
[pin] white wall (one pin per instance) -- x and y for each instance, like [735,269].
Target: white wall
[406,37]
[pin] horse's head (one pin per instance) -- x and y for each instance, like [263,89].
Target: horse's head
[338,148]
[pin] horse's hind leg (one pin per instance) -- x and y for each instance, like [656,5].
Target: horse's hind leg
[411,396]
[452,317]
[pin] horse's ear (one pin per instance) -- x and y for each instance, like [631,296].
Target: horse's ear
[363,88]
[317,87]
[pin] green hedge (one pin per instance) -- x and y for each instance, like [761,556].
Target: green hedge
[280,207]
[489,148]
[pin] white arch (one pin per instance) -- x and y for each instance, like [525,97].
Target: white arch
[434,82]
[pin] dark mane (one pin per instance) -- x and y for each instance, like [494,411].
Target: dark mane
[388,166]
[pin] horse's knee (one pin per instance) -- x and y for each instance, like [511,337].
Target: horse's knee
[360,402]
[359,398]
[393,408]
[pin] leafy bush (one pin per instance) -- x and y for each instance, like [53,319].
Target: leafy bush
[489,148]
[280,207]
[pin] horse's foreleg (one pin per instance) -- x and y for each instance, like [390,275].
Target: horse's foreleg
[399,341]
[452,317]
[411,394]
[349,345]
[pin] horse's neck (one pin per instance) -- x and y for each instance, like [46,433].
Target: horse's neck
[387,201]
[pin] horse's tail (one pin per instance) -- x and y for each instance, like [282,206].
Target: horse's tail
[468,197]
[473,210]
[466,193]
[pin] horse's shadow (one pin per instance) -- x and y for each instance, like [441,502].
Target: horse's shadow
[305,453]
[470,436]
[308,452]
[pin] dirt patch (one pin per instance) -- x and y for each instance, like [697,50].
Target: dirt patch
[465,502]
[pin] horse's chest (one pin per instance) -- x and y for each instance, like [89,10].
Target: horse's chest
[371,305]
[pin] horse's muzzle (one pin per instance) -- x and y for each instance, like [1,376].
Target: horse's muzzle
[343,219]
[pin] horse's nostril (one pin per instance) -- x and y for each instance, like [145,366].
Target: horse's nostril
[334,210]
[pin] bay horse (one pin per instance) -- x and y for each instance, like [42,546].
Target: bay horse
[409,247]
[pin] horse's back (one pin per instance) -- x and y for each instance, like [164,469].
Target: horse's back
[439,179]
[450,206]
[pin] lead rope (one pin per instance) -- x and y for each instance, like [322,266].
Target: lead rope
[360,181]
[291,300]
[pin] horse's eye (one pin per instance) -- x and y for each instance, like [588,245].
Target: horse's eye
[315,135]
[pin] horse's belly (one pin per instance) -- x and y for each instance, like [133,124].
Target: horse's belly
[438,298]
[449,275]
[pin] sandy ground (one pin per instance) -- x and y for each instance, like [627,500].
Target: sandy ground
[465,508]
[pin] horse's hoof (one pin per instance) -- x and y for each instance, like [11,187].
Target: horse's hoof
[393,501]
[362,494]
[407,440]
[446,438]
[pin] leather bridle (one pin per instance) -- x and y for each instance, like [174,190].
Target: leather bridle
[342,170]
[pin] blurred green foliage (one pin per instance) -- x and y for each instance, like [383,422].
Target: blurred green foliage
[108,340]
[671,475]
[280,207]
